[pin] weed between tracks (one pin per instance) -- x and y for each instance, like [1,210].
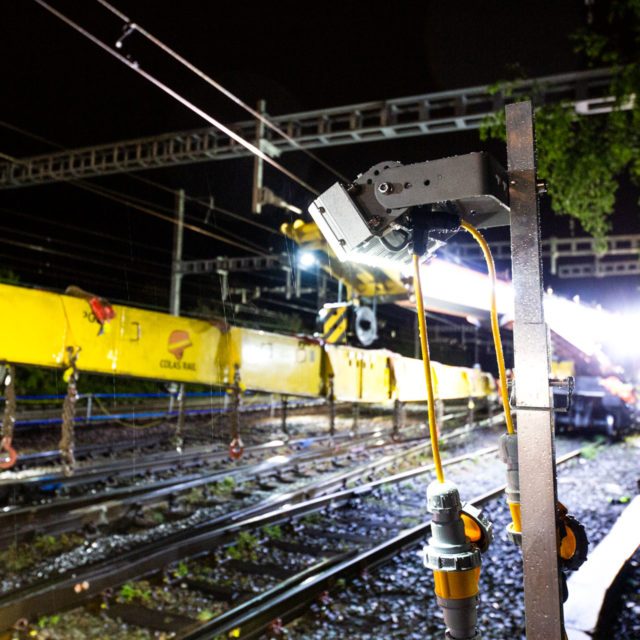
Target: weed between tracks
[19,557]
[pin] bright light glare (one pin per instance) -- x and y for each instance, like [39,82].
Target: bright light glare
[307,259]
[592,329]
[275,443]
[453,283]
[279,459]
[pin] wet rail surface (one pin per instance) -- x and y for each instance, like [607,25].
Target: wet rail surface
[146,555]
[100,499]
[316,544]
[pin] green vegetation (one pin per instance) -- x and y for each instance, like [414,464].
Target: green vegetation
[48,621]
[244,548]
[8,277]
[582,158]
[157,516]
[273,532]
[591,450]
[313,519]
[182,571]
[22,556]
[135,592]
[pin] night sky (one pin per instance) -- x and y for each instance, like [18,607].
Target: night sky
[297,56]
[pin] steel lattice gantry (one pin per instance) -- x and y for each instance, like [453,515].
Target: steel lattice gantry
[558,248]
[442,112]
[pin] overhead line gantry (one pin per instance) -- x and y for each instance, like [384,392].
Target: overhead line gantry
[425,114]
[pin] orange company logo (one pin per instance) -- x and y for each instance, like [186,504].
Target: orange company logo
[178,342]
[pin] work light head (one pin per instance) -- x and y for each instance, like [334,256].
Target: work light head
[374,219]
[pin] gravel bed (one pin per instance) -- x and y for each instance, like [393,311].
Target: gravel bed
[107,546]
[397,600]
[625,613]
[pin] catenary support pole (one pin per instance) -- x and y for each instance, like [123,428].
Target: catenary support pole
[174,305]
[258,163]
[176,258]
[536,452]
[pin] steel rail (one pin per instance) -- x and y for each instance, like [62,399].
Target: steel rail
[55,594]
[145,411]
[65,515]
[252,617]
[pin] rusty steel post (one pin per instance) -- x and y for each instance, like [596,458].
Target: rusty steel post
[283,422]
[536,453]
[332,407]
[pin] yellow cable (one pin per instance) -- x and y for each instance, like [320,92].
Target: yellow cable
[494,321]
[422,323]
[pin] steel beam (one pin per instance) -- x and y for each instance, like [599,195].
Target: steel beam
[536,451]
[442,112]
[561,248]
[599,269]
[245,264]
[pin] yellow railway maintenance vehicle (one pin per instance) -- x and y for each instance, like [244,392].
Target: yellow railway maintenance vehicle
[46,329]
[41,329]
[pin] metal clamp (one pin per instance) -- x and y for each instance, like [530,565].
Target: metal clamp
[568,384]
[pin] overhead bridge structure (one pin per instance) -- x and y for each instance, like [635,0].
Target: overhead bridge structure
[431,113]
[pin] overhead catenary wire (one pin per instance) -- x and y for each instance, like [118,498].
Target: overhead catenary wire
[172,220]
[67,226]
[74,256]
[120,197]
[216,85]
[122,260]
[195,200]
[134,66]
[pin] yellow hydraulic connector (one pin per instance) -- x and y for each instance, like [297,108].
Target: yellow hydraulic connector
[508,442]
[459,536]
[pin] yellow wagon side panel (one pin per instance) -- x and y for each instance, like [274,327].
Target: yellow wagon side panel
[161,346]
[278,364]
[376,376]
[39,327]
[344,364]
[453,382]
[408,379]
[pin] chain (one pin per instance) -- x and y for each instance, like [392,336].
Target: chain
[236,447]
[283,421]
[178,440]
[9,416]
[332,407]
[398,420]
[66,445]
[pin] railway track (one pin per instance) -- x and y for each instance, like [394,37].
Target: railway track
[74,585]
[104,493]
[311,560]
[204,471]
